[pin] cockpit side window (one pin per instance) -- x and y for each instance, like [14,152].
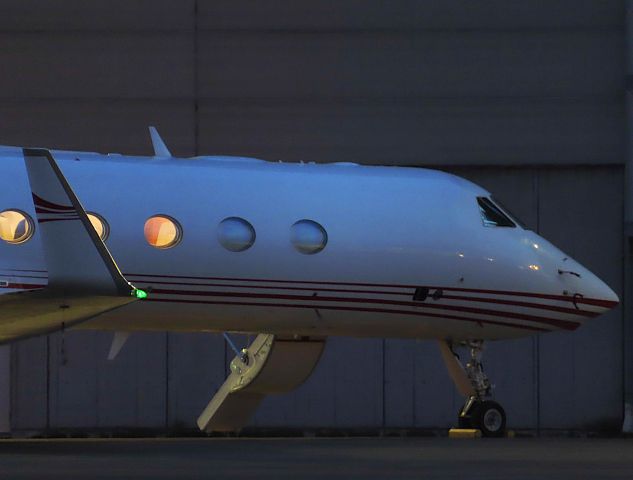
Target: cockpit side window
[509,213]
[493,216]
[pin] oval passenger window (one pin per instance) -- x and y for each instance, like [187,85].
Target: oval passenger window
[308,237]
[236,234]
[162,231]
[16,226]
[99,224]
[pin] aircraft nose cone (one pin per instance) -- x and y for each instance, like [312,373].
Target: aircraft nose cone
[608,295]
[599,291]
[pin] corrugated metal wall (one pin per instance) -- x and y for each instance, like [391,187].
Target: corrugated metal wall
[525,98]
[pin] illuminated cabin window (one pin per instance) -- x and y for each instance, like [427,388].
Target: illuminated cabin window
[162,231]
[308,237]
[236,234]
[15,226]
[99,224]
[491,215]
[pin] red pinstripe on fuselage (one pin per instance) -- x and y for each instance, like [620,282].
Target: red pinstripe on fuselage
[521,310]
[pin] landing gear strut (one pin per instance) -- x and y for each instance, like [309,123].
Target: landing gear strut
[478,411]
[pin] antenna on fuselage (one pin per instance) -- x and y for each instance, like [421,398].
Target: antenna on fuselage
[160,149]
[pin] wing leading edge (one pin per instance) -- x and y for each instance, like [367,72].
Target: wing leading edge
[84,280]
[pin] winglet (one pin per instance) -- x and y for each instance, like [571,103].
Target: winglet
[76,257]
[160,149]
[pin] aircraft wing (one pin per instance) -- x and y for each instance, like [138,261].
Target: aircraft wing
[83,279]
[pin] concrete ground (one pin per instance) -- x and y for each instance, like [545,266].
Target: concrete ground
[309,458]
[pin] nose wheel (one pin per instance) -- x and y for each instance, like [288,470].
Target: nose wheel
[478,412]
[485,415]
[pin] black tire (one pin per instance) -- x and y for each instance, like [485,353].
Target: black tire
[489,417]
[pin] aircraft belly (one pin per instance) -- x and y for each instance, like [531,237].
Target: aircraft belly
[280,320]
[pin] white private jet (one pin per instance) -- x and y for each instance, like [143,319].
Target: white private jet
[292,252]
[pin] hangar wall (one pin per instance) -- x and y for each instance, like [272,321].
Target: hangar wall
[525,98]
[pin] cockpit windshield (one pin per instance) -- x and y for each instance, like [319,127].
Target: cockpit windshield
[492,215]
[509,213]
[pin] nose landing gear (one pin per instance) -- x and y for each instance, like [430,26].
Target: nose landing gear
[479,411]
[485,415]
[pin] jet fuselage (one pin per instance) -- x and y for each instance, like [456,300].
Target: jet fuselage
[408,252]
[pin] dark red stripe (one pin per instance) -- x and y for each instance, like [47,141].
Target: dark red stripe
[586,301]
[268,287]
[40,202]
[413,304]
[537,306]
[321,307]
[23,270]
[569,326]
[563,298]
[53,212]
[352,309]
[532,318]
[46,220]
[21,275]
[24,286]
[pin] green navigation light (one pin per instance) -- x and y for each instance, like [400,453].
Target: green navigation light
[140,294]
